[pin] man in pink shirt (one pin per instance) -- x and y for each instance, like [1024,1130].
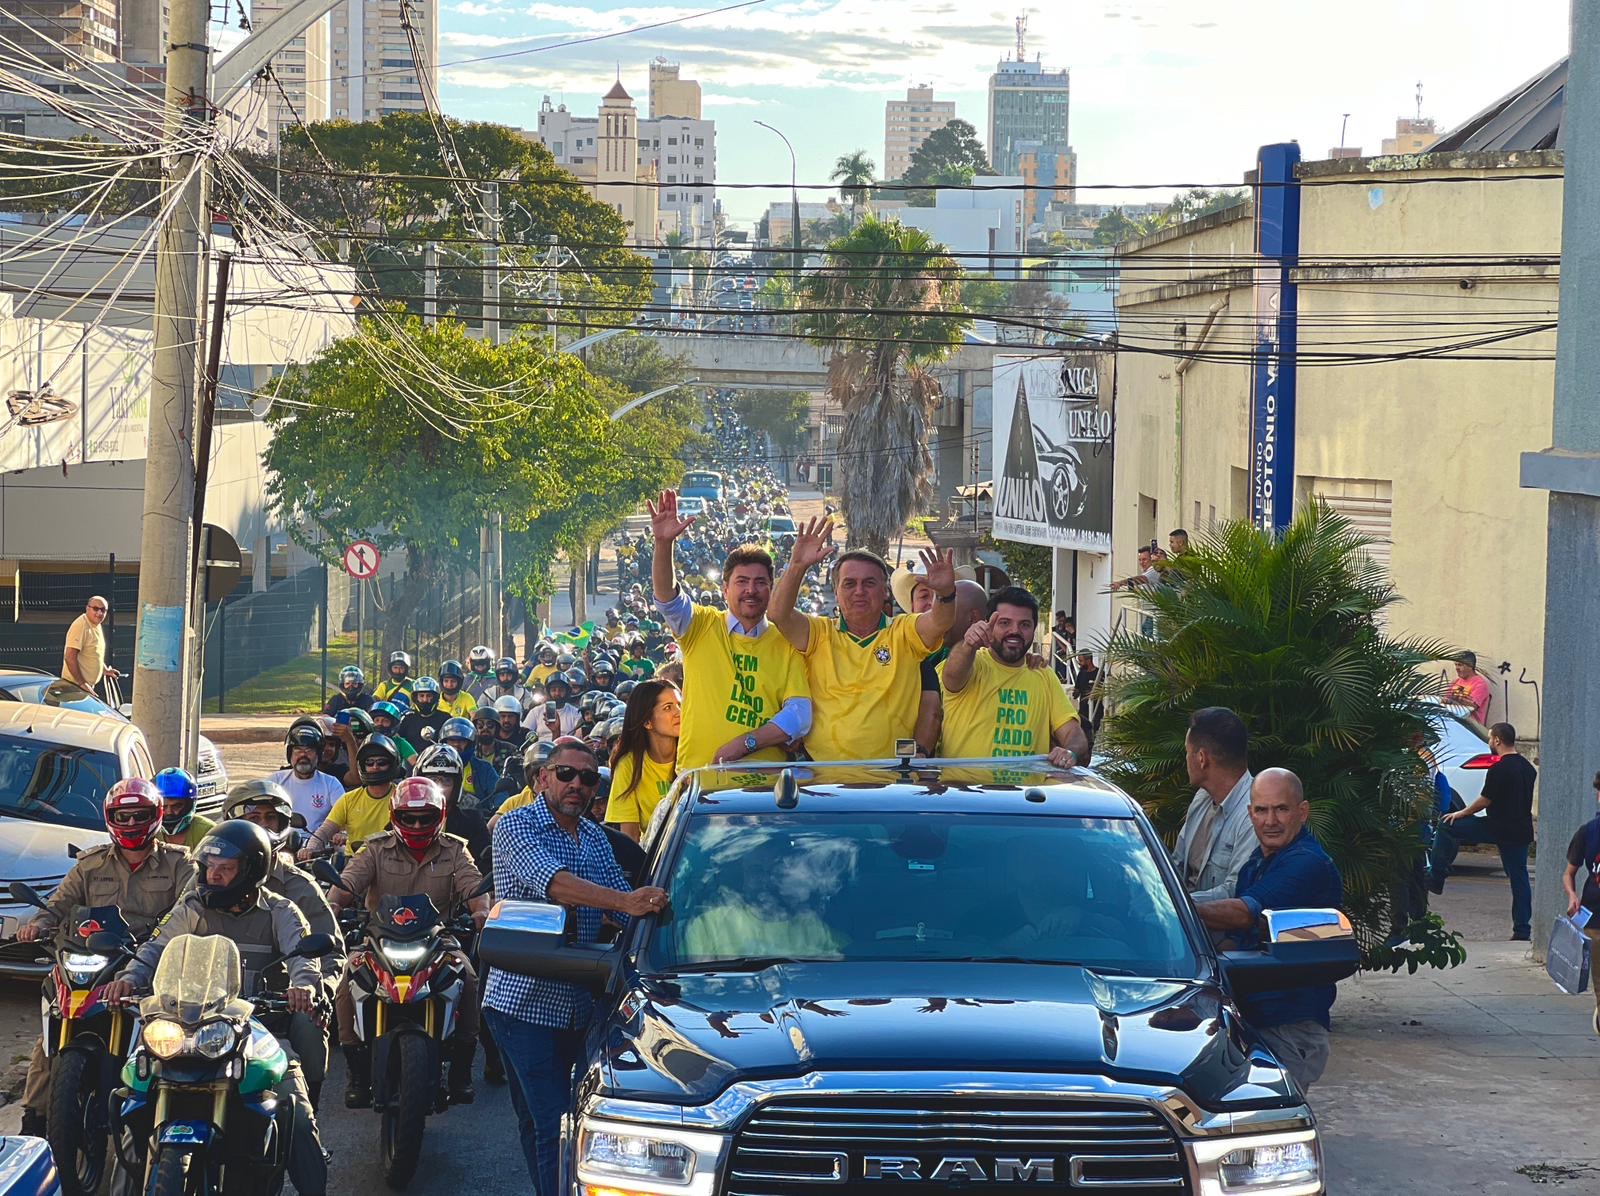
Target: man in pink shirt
[1469,691]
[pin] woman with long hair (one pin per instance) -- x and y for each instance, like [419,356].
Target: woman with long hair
[644,762]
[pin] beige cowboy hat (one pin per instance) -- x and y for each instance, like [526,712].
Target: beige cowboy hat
[905,578]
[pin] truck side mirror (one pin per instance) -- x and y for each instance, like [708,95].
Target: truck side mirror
[530,938]
[1304,948]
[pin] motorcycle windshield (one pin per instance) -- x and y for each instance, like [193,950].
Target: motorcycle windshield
[197,977]
[408,917]
[87,920]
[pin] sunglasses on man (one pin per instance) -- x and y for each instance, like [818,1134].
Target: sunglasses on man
[565,773]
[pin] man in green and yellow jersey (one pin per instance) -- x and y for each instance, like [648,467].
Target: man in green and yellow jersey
[744,688]
[864,667]
[994,704]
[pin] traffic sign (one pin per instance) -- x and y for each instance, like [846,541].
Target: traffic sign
[361,560]
[219,557]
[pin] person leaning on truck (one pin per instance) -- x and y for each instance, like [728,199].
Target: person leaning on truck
[1287,870]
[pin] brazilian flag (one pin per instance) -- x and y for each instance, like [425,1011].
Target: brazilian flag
[576,638]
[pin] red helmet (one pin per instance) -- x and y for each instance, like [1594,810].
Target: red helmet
[132,810]
[416,811]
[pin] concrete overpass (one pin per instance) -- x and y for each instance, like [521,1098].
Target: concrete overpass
[731,360]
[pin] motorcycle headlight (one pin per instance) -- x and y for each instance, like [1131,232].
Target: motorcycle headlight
[164,1037]
[214,1039]
[1279,1164]
[406,955]
[616,1157]
[78,962]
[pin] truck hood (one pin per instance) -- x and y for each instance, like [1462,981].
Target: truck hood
[685,1037]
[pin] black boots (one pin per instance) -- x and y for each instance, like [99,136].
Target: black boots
[461,1089]
[32,1123]
[358,1081]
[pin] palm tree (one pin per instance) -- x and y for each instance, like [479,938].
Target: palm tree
[1286,631]
[854,173]
[887,305]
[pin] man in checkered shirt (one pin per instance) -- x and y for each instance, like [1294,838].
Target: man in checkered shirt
[547,851]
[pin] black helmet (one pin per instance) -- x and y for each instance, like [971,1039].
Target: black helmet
[361,724]
[426,687]
[378,760]
[506,665]
[304,732]
[624,688]
[249,794]
[451,668]
[238,840]
[587,702]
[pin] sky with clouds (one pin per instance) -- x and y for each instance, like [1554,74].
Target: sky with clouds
[1162,90]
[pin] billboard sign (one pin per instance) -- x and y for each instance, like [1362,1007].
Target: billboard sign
[1054,419]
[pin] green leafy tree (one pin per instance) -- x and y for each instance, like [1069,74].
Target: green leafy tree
[1115,227]
[391,182]
[854,173]
[361,448]
[951,156]
[1287,632]
[886,306]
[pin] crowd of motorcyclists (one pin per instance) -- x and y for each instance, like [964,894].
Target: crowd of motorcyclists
[321,875]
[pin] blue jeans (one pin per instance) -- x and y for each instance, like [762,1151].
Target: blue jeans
[1513,859]
[538,1062]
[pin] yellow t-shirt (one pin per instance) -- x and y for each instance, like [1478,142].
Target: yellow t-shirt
[540,674]
[732,684]
[361,816]
[516,801]
[640,805]
[461,706]
[90,641]
[864,693]
[1003,711]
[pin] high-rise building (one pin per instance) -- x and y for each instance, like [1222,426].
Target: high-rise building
[907,123]
[1042,166]
[1412,135]
[302,68]
[680,151]
[373,72]
[1026,103]
[670,95]
[64,33]
[144,30]
[604,152]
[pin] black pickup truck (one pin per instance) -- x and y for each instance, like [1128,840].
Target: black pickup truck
[923,977]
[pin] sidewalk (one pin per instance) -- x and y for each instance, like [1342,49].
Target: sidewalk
[1480,1079]
[244,728]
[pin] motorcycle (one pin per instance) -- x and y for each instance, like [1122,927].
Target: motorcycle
[85,1037]
[407,990]
[197,1113]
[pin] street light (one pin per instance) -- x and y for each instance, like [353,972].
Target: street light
[632,404]
[794,201]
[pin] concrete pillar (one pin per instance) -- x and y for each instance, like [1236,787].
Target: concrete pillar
[1570,470]
[261,563]
[1094,601]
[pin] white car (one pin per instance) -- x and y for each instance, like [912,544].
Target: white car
[55,767]
[1462,753]
[691,506]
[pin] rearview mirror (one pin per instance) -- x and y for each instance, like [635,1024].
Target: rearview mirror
[25,894]
[1304,948]
[324,871]
[313,946]
[530,939]
[106,942]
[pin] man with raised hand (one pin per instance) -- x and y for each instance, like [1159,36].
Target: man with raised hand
[864,667]
[745,694]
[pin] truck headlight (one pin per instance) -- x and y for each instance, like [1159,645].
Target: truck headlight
[615,1158]
[1287,1164]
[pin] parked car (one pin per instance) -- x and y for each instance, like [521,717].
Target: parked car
[55,767]
[1462,753]
[46,689]
[690,505]
[933,974]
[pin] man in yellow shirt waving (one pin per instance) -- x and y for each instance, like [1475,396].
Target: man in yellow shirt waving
[994,704]
[865,668]
[744,688]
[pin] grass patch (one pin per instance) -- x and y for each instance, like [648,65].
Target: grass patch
[294,687]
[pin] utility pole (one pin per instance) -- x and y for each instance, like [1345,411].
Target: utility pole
[491,265]
[159,691]
[430,283]
[1570,470]
[490,573]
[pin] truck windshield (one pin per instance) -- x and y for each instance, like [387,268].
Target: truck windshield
[925,886]
[51,782]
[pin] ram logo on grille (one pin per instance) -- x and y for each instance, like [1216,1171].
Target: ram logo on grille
[959,1167]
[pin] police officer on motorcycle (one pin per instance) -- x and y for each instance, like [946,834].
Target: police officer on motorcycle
[416,856]
[230,898]
[137,872]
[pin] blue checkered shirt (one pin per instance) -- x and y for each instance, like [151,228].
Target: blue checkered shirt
[530,847]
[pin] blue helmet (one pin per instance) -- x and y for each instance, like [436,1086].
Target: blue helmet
[175,784]
[456,728]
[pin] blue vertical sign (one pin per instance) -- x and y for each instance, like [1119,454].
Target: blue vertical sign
[1276,306]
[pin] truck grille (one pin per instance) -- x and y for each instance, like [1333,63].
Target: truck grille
[862,1145]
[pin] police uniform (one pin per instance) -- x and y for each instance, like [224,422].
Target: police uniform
[445,873]
[287,881]
[267,928]
[102,877]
